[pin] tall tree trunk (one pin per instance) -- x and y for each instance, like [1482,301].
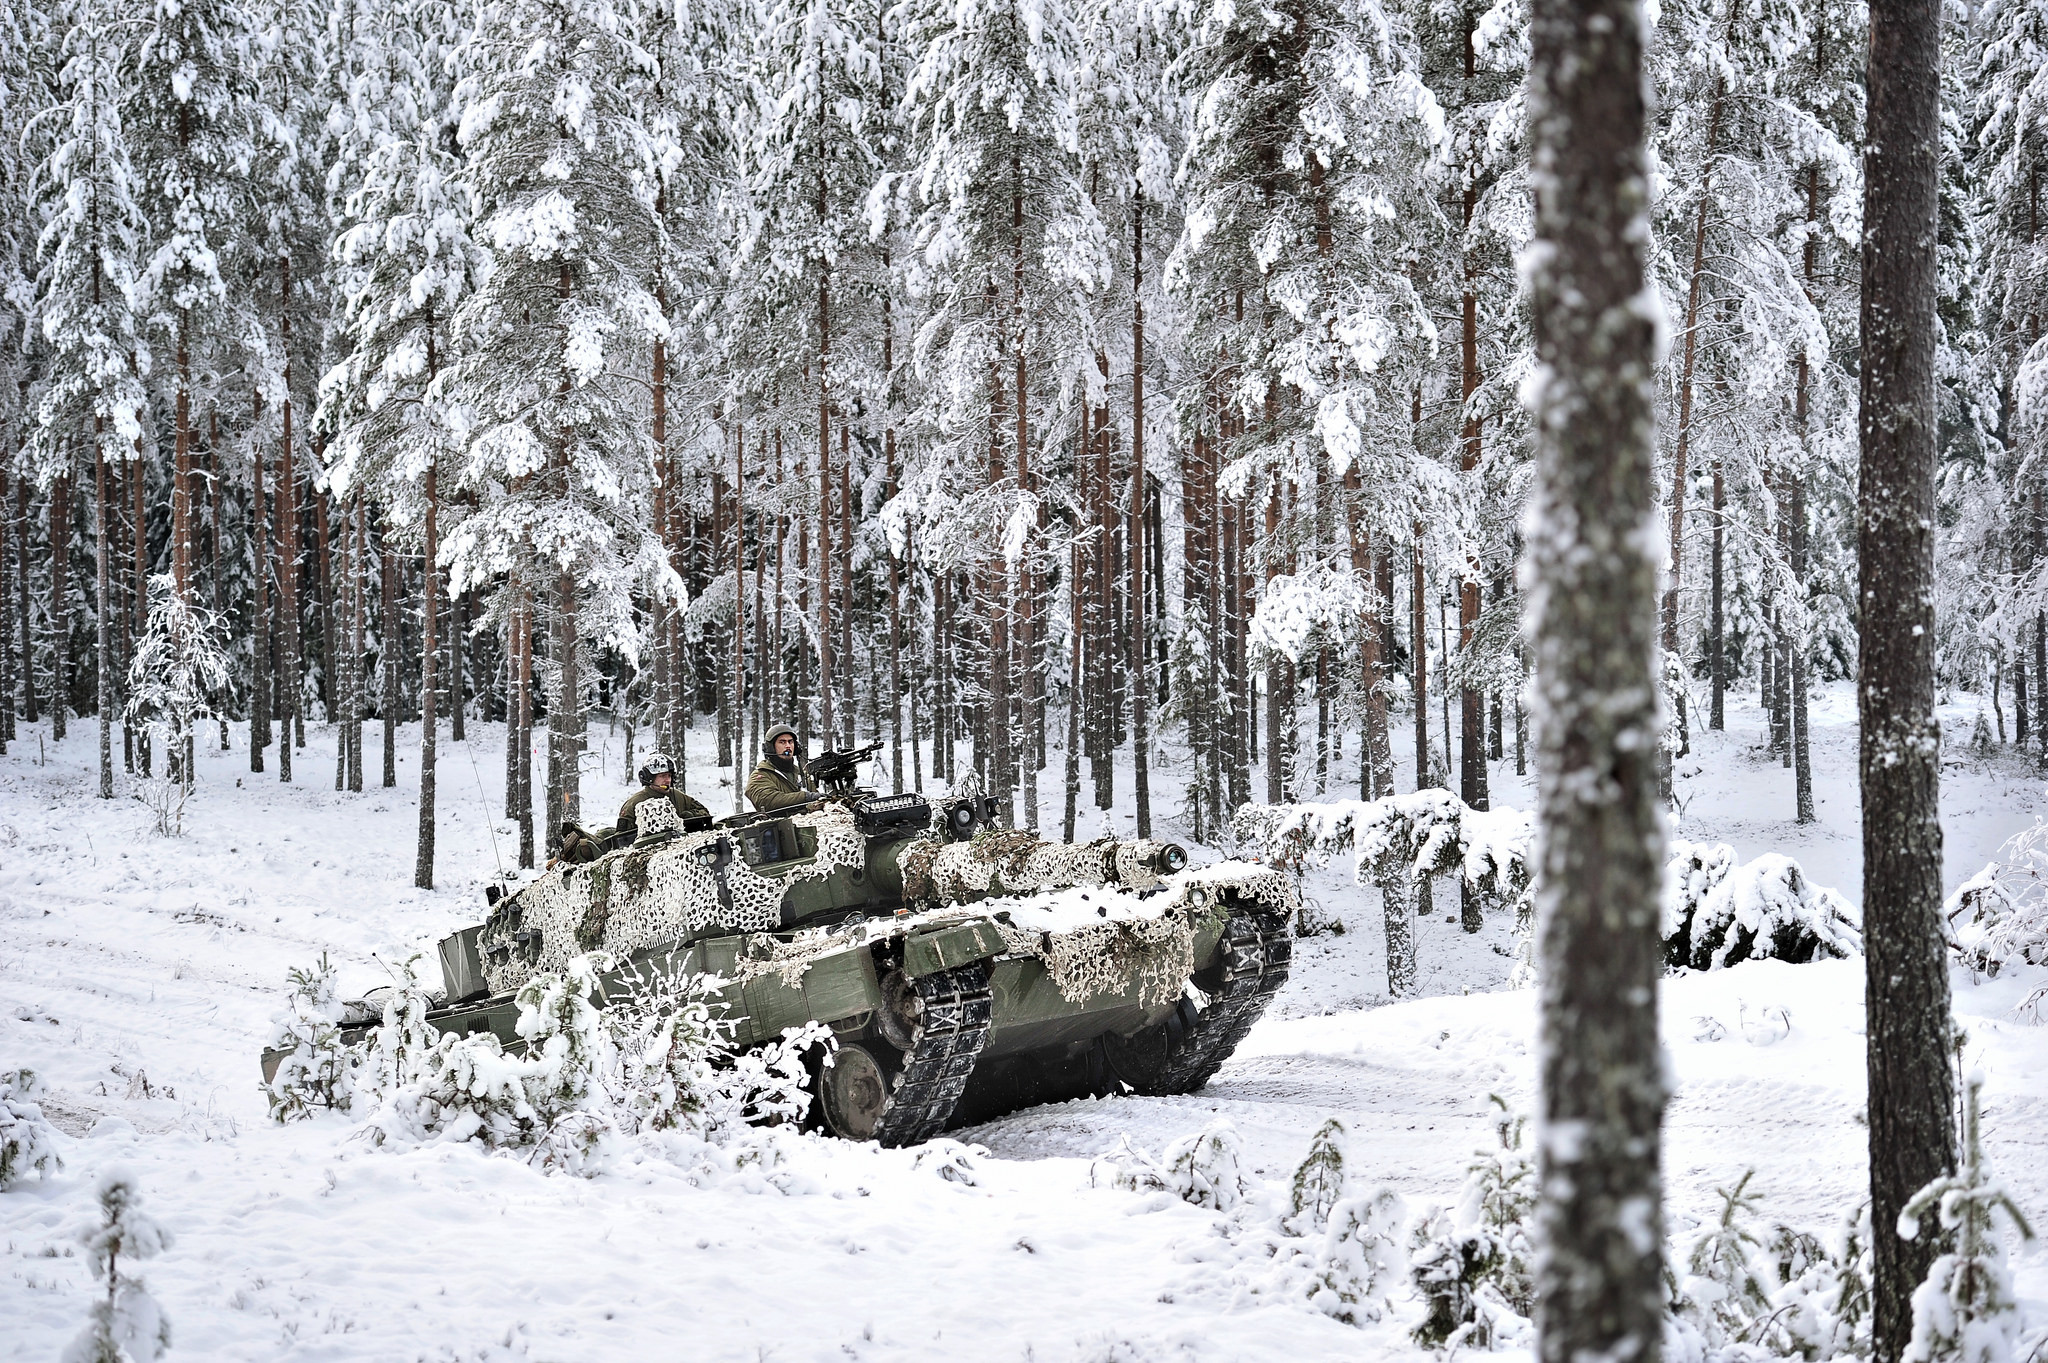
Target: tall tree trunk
[1795,512]
[258,533]
[423,861]
[1912,1093]
[1685,378]
[1471,706]
[1026,584]
[825,639]
[294,734]
[1073,754]
[1599,1217]
[1418,632]
[523,730]
[1717,640]
[104,625]
[1141,733]
[60,604]
[21,573]
[739,604]
[7,560]
[895,563]
[392,652]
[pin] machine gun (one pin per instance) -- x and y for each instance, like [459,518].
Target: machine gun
[834,771]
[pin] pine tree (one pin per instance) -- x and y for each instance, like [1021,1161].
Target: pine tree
[93,232]
[560,171]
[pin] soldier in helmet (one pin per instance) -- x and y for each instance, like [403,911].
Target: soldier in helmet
[780,780]
[657,779]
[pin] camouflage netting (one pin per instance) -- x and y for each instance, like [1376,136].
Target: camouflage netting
[657,893]
[1102,958]
[1002,861]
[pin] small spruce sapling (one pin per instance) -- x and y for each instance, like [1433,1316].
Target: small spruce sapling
[1474,1263]
[1725,1292]
[316,1070]
[126,1326]
[405,1037]
[1966,1311]
[1318,1184]
[1206,1169]
[1361,1257]
[28,1142]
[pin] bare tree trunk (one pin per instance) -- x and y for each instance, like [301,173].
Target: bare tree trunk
[29,710]
[1685,379]
[825,643]
[1471,707]
[423,862]
[61,526]
[392,652]
[1912,1092]
[105,622]
[1717,642]
[1073,756]
[287,503]
[523,729]
[1418,628]
[1141,733]
[1599,1288]
[8,556]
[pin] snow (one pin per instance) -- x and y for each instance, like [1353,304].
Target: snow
[141,976]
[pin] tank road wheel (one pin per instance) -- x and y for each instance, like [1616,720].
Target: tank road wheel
[901,1013]
[1182,1052]
[854,1092]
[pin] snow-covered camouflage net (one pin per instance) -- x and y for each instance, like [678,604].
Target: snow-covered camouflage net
[1002,861]
[656,893]
[1717,913]
[1091,940]
[1150,940]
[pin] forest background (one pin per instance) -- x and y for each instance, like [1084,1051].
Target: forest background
[998,382]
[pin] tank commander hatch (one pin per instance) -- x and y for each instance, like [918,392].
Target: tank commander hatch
[780,779]
[657,779]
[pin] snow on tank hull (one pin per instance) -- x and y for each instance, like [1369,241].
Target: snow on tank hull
[961,978]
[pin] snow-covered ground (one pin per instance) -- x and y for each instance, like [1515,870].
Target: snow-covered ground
[139,976]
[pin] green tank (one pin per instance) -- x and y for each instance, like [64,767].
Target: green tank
[965,970]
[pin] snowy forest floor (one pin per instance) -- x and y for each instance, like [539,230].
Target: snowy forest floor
[139,975]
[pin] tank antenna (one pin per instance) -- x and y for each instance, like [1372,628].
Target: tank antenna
[490,824]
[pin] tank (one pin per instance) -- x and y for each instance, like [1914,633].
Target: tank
[964,970]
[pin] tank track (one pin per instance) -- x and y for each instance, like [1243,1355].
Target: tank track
[1184,1052]
[957,1008]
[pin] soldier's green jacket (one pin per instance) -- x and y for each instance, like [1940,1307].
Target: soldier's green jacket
[772,788]
[687,807]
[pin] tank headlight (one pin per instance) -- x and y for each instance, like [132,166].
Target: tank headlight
[1173,858]
[1198,897]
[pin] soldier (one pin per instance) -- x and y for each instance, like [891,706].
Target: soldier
[780,780]
[657,778]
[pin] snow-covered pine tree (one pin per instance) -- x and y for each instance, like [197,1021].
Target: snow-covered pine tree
[556,455]
[409,261]
[1311,137]
[177,672]
[315,1069]
[991,157]
[27,1140]
[93,233]
[127,1325]
[190,111]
